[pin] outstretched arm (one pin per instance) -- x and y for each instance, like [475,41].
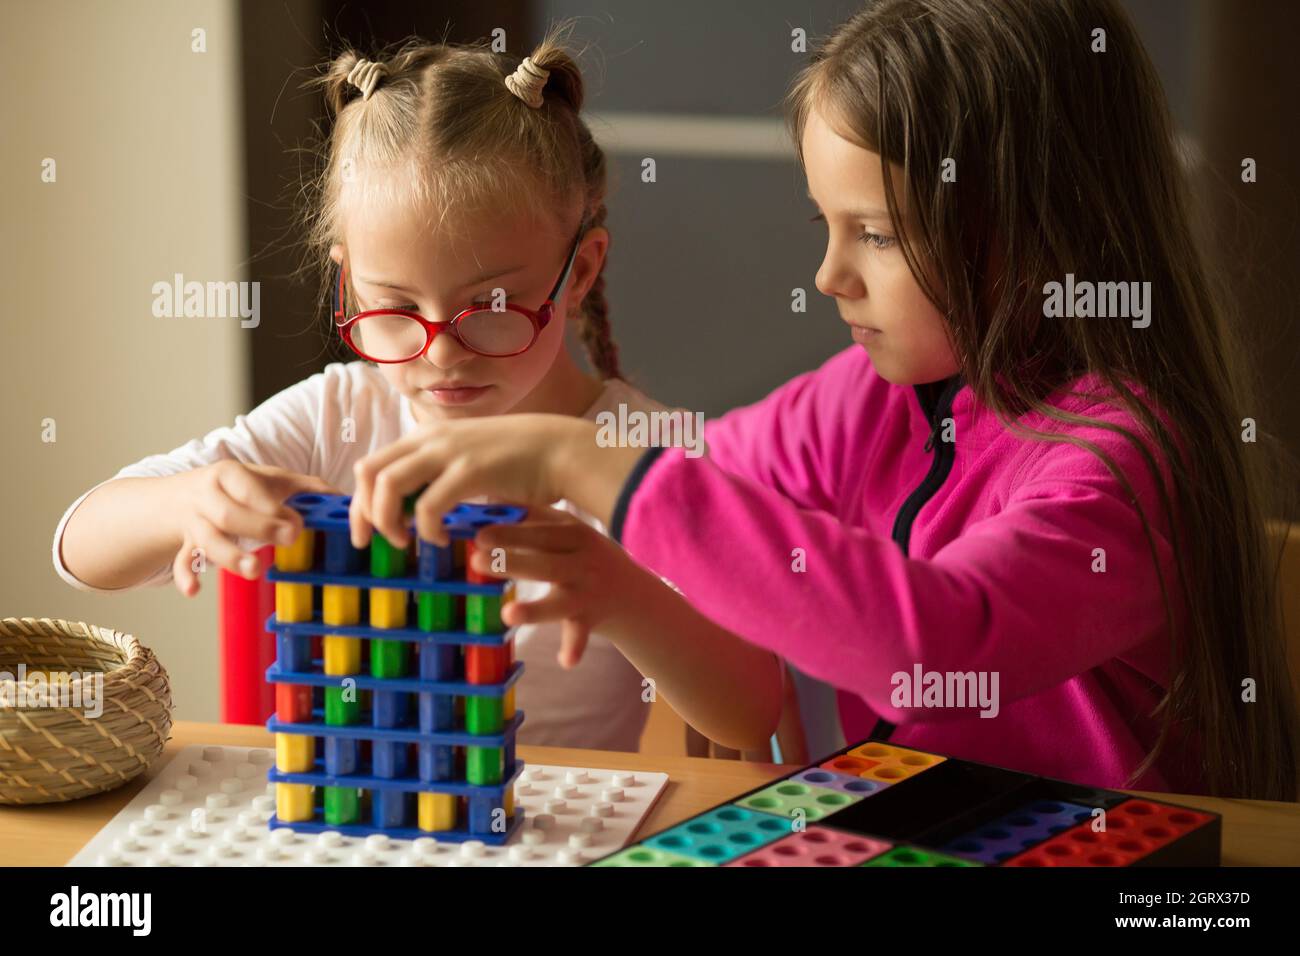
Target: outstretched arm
[724,687]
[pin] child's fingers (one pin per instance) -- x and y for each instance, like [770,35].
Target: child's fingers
[559,603]
[284,484]
[541,535]
[359,511]
[364,473]
[255,507]
[234,518]
[546,515]
[449,487]
[216,547]
[263,490]
[183,576]
[525,565]
[574,634]
[392,485]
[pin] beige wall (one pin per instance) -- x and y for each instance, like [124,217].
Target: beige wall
[145,134]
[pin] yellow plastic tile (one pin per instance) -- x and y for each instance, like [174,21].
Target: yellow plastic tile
[294,753]
[895,763]
[293,602]
[340,605]
[293,802]
[342,654]
[436,811]
[299,555]
[387,607]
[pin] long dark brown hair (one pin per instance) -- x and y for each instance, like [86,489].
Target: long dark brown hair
[1067,162]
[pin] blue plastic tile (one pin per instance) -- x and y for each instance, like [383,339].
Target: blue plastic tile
[330,513]
[817,777]
[722,834]
[1018,831]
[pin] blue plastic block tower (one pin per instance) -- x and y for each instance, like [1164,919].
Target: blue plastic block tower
[394,682]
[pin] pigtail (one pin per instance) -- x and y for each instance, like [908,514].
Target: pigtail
[549,77]
[594,329]
[334,83]
[350,76]
[595,332]
[564,80]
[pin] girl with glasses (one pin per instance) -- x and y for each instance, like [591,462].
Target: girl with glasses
[461,213]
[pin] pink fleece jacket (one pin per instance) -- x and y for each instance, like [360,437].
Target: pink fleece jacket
[999,571]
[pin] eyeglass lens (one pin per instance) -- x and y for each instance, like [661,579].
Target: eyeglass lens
[390,337]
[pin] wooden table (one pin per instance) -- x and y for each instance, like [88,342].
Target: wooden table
[51,834]
[1255,832]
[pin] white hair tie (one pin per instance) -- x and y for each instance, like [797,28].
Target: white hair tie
[366,75]
[527,82]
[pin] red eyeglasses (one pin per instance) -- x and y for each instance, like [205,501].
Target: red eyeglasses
[395,335]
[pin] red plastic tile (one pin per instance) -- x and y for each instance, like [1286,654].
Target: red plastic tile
[1134,829]
[853,766]
[293,703]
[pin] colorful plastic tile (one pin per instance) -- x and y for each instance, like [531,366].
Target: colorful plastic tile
[1016,832]
[721,835]
[649,856]
[830,780]
[883,762]
[790,798]
[904,856]
[1134,829]
[816,846]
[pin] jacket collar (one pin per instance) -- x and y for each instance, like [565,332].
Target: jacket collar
[936,398]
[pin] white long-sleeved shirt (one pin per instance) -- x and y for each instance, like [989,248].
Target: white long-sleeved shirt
[306,428]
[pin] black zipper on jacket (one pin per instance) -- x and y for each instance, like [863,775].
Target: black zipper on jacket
[936,400]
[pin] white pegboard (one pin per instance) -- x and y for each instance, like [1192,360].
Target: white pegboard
[572,815]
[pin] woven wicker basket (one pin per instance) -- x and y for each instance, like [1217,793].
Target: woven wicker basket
[49,753]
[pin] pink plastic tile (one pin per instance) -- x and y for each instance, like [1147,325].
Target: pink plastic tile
[816,846]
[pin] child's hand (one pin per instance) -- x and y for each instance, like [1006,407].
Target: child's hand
[589,574]
[226,500]
[507,458]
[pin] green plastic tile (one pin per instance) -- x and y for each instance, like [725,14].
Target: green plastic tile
[484,715]
[389,658]
[436,611]
[911,856]
[781,799]
[386,560]
[483,614]
[649,856]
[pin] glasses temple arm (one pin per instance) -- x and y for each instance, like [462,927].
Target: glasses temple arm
[568,266]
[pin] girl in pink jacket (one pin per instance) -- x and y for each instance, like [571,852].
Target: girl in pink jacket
[1021,519]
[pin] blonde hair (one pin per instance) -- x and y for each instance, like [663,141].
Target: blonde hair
[475,131]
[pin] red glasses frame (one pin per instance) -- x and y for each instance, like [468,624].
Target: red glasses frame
[540,317]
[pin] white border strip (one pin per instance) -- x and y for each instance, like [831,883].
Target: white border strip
[685,134]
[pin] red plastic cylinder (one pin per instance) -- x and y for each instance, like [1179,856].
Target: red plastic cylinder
[247,648]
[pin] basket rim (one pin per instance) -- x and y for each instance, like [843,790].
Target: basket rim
[133,652]
[55,748]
